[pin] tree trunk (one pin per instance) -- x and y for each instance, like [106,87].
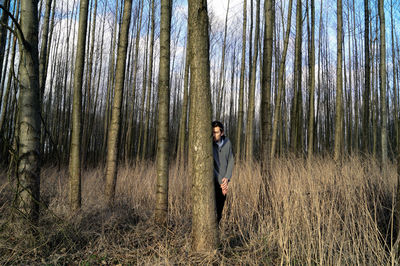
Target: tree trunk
[311,87]
[395,89]
[382,83]
[277,110]
[43,49]
[75,153]
[182,123]
[367,74]
[356,91]
[144,88]
[149,85]
[241,89]
[110,81]
[250,132]
[5,100]
[375,109]
[269,16]
[28,132]
[221,82]
[3,37]
[339,92]
[129,136]
[161,212]
[85,136]
[204,220]
[397,134]
[92,117]
[296,113]
[43,65]
[115,123]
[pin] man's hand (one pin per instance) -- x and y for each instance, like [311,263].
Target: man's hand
[224,186]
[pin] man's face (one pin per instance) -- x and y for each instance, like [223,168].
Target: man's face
[217,134]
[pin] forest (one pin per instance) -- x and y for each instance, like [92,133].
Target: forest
[106,137]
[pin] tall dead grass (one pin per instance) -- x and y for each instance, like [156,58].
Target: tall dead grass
[319,214]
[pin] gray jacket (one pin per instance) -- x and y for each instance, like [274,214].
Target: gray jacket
[223,160]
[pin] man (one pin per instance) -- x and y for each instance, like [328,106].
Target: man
[223,165]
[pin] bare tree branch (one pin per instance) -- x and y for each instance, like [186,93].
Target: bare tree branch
[19,34]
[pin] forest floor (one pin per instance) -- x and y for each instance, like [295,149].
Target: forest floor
[317,214]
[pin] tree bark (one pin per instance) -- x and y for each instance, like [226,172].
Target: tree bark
[204,220]
[366,122]
[28,135]
[250,132]
[339,92]
[43,49]
[5,100]
[221,82]
[311,88]
[149,84]
[129,136]
[86,121]
[184,115]
[282,66]
[75,152]
[382,83]
[144,92]
[356,82]
[266,82]
[110,80]
[241,86]
[296,112]
[115,123]
[3,37]
[161,212]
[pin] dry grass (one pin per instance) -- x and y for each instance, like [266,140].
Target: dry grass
[318,215]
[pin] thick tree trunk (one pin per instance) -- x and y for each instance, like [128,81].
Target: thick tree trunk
[161,212]
[204,221]
[266,82]
[28,132]
[115,124]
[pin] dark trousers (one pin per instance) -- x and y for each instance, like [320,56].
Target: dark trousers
[219,200]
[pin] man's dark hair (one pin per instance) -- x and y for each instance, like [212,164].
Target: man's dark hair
[218,124]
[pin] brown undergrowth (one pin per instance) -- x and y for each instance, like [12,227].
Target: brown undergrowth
[317,214]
